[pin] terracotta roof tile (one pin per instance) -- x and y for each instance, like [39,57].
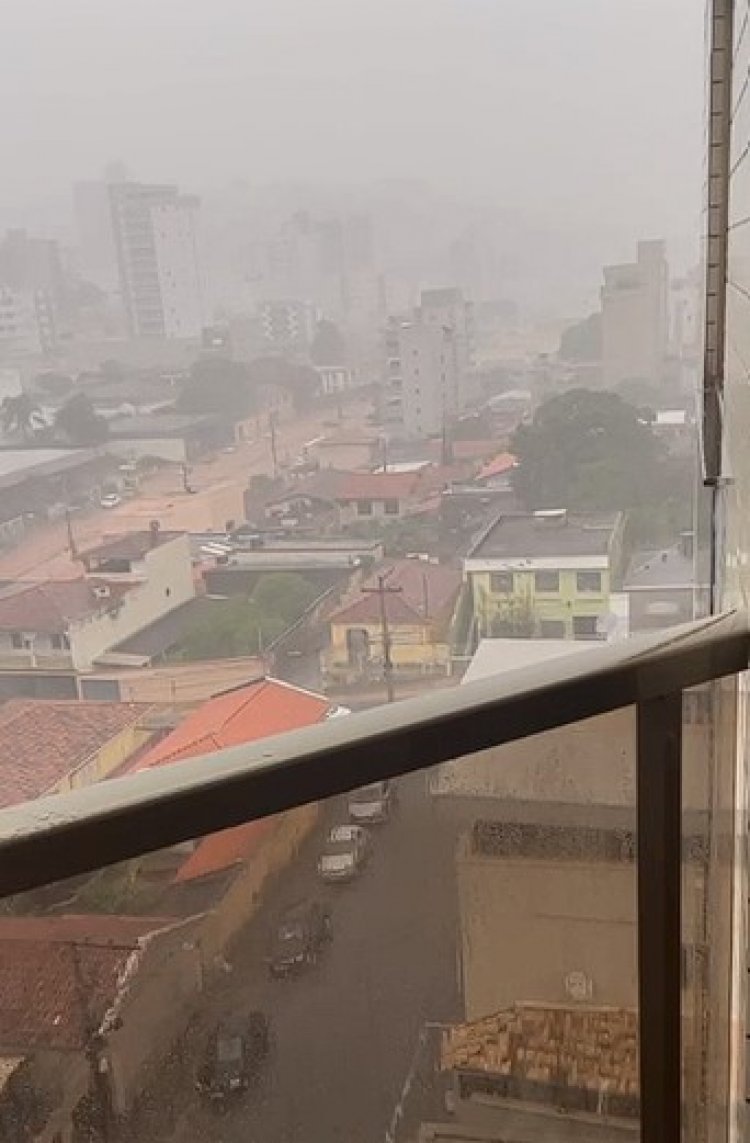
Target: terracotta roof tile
[59,975]
[41,741]
[52,605]
[423,587]
[259,710]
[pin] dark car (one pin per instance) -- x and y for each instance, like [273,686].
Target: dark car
[232,1057]
[299,938]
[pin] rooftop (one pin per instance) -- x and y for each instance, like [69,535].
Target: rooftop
[42,741]
[549,533]
[166,632]
[670,567]
[60,974]
[500,464]
[495,656]
[16,464]
[423,591]
[581,1047]
[130,546]
[52,605]
[154,425]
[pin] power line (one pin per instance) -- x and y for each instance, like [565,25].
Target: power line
[382,590]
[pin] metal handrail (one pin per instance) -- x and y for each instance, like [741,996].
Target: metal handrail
[68,834]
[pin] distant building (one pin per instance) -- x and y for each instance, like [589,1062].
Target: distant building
[95,236]
[667,586]
[546,574]
[635,317]
[156,237]
[287,325]
[27,324]
[429,365]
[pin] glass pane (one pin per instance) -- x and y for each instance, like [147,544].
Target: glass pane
[450,953]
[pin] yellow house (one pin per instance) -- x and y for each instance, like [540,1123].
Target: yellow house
[415,610]
[545,574]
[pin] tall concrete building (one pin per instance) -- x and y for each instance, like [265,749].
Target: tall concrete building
[429,363]
[635,316]
[155,235]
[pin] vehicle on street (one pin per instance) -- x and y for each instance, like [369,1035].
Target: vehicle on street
[301,935]
[111,500]
[233,1054]
[373,803]
[345,854]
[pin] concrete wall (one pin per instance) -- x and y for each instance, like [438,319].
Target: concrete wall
[106,761]
[241,901]
[562,605]
[172,449]
[589,764]
[168,583]
[528,924]
[413,648]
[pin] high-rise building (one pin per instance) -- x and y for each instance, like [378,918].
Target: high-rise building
[95,238]
[155,232]
[635,316]
[429,362]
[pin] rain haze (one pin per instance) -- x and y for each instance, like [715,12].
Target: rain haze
[578,124]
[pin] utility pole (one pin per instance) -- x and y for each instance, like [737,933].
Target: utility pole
[382,590]
[71,537]
[274,455]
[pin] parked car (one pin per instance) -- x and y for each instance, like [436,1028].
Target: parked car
[346,852]
[110,500]
[372,803]
[301,935]
[232,1057]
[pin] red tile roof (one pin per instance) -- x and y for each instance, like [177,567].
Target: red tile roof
[503,462]
[42,741]
[59,975]
[51,606]
[259,710]
[425,589]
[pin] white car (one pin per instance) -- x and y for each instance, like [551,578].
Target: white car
[111,500]
[346,852]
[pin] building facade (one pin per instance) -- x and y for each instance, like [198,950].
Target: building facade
[635,316]
[156,238]
[545,574]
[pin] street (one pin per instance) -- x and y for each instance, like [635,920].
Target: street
[345,1031]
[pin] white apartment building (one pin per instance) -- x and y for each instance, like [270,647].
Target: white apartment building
[429,362]
[130,582]
[27,324]
[155,232]
[635,316]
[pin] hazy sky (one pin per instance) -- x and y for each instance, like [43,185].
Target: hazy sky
[576,109]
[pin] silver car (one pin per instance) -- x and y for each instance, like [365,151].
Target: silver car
[346,852]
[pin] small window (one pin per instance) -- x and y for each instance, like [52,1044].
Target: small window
[552,629]
[391,507]
[547,582]
[585,627]
[16,640]
[589,581]
[56,642]
[364,507]
[501,583]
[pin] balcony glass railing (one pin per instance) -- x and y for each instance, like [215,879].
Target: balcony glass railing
[524,927]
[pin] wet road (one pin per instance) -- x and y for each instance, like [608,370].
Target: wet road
[346,1031]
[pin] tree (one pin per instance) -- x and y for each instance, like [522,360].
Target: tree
[58,384]
[284,594]
[20,414]
[218,385]
[78,421]
[587,450]
[239,628]
[299,380]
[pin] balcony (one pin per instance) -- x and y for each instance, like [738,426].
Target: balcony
[539,938]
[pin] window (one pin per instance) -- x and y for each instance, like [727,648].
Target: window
[391,507]
[589,581]
[547,581]
[364,507]
[56,642]
[16,640]
[501,583]
[552,629]
[585,627]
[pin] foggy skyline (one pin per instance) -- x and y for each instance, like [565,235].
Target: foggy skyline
[584,118]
